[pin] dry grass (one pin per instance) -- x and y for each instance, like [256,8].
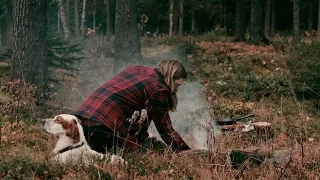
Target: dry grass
[26,151]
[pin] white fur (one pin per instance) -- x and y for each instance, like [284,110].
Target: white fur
[83,154]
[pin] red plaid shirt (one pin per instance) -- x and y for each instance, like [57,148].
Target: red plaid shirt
[135,88]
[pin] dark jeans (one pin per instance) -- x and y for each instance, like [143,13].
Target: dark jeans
[101,139]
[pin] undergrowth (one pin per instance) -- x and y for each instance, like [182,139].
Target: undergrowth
[304,65]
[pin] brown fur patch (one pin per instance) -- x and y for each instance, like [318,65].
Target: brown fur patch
[71,128]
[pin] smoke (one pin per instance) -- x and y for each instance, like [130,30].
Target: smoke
[192,113]
[192,116]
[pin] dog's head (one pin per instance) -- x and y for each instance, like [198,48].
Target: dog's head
[63,124]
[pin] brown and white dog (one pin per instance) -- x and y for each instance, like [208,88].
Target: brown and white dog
[71,146]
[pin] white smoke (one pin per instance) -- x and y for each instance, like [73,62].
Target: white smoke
[191,116]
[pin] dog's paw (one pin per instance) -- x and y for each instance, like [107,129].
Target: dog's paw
[115,159]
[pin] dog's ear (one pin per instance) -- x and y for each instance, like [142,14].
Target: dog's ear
[73,131]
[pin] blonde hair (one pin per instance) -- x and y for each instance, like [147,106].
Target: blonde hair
[172,70]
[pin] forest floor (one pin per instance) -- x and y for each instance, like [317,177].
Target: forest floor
[226,80]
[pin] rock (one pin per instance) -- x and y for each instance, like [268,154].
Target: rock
[281,157]
[238,157]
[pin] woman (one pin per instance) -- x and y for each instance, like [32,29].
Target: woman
[106,113]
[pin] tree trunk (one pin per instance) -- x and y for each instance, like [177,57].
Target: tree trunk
[9,24]
[267,19]
[273,17]
[4,23]
[256,22]
[310,16]
[175,22]
[240,29]
[83,20]
[318,29]
[127,40]
[68,11]
[108,26]
[193,16]
[181,18]
[94,15]
[296,22]
[3,31]
[224,19]
[28,47]
[171,19]
[64,20]
[76,19]
[58,21]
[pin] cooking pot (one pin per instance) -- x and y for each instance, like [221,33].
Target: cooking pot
[230,121]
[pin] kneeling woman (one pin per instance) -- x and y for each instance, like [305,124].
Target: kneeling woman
[106,113]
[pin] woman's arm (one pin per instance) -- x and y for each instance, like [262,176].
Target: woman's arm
[162,121]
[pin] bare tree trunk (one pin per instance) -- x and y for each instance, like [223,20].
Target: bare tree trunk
[94,15]
[193,16]
[181,18]
[76,19]
[3,31]
[171,18]
[224,5]
[176,19]
[256,22]
[310,16]
[58,21]
[29,38]
[83,20]
[273,17]
[108,26]
[127,39]
[240,29]
[267,19]
[68,11]
[296,22]
[318,29]
[64,20]
[3,26]
[9,23]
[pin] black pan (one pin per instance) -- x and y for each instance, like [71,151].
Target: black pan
[230,121]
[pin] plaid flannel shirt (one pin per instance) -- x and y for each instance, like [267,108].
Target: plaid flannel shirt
[135,88]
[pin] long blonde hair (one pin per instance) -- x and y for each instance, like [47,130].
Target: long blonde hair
[172,70]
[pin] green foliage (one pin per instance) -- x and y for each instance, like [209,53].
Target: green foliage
[25,168]
[188,46]
[61,59]
[217,34]
[253,87]
[61,56]
[304,65]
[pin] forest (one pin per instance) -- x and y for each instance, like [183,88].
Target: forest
[243,57]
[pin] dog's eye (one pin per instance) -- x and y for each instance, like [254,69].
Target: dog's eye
[58,120]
